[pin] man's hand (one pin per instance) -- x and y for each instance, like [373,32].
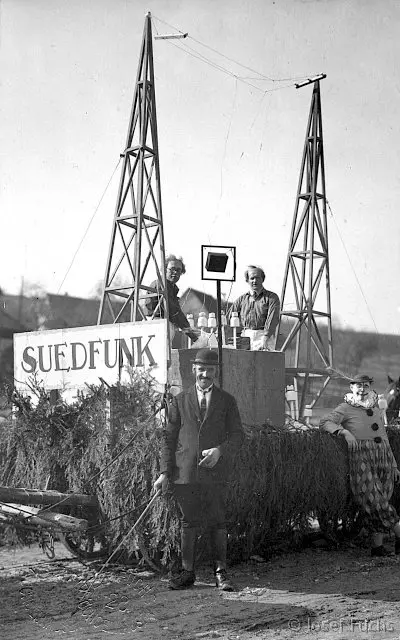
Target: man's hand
[396,474]
[211,457]
[350,439]
[161,483]
[192,333]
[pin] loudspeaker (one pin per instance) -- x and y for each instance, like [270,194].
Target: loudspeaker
[216,262]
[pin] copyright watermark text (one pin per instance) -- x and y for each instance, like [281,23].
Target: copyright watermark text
[341,625]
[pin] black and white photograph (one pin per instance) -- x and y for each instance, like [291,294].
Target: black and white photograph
[199,319]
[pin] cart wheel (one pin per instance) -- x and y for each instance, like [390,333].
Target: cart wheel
[84,546]
[153,559]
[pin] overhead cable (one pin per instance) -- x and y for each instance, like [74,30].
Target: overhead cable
[88,226]
[227,71]
[240,64]
[352,268]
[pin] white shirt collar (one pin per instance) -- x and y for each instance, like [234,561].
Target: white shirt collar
[204,391]
[204,394]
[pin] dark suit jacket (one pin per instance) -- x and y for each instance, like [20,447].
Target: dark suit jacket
[186,436]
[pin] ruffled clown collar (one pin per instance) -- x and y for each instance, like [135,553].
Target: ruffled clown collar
[370,401]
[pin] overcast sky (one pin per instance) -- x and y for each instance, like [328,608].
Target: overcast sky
[230,154]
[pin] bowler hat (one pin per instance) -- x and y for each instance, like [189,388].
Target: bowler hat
[361,377]
[206,356]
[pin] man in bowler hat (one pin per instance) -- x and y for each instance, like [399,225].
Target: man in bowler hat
[203,434]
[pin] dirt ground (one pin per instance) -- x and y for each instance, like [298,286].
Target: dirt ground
[313,594]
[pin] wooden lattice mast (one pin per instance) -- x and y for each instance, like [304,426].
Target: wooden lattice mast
[136,253]
[307,268]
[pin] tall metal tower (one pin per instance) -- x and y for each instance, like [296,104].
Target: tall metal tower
[308,345]
[136,253]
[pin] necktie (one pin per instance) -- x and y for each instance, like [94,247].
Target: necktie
[203,407]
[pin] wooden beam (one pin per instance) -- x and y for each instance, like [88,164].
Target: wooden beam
[21,495]
[47,519]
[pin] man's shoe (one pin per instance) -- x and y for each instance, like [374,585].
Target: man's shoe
[380,552]
[182,580]
[222,581]
[397,546]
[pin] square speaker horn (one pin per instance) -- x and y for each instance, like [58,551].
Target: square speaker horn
[216,262]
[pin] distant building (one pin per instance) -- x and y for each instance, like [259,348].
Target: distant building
[9,325]
[53,311]
[194,301]
[43,311]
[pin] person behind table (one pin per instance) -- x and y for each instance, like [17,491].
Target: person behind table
[258,311]
[373,468]
[175,268]
[203,434]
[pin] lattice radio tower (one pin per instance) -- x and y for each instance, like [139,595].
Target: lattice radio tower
[136,253]
[308,345]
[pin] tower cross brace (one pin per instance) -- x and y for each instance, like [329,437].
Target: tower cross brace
[136,252]
[308,344]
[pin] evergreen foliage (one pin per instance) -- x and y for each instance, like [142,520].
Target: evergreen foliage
[107,443]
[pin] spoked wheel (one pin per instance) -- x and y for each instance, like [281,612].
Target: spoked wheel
[150,556]
[153,559]
[84,546]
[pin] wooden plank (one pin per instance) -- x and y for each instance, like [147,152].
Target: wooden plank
[60,520]
[20,495]
[45,519]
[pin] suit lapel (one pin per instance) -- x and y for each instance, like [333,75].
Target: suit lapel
[214,400]
[193,402]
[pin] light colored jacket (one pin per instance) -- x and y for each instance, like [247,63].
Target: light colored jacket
[357,421]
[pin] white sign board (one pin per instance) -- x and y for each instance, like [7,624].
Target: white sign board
[74,358]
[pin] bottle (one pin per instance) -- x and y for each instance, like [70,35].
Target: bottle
[190,319]
[235,322]
[202,319]
[212,320]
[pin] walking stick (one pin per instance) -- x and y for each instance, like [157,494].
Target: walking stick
[133,527]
